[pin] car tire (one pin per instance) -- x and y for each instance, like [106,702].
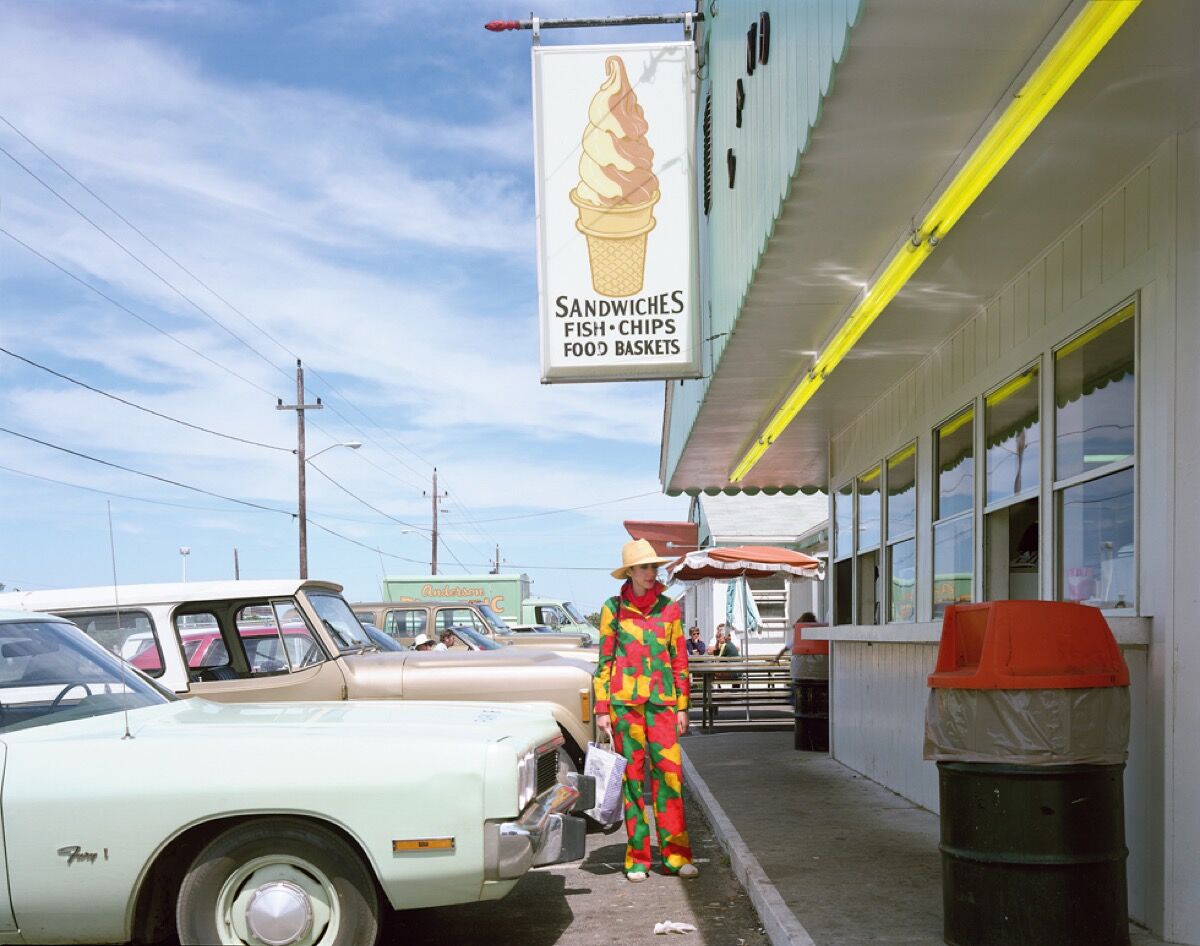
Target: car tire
[312,877]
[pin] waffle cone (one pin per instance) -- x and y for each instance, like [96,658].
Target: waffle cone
[616,239]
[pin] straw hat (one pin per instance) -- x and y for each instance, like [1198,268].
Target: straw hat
[637,552]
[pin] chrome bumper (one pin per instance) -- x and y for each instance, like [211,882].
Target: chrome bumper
[545,833]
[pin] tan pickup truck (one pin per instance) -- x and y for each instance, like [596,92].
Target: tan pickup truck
[254,641]
[404,620]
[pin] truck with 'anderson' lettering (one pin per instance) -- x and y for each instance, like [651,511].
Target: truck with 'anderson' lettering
[507,594]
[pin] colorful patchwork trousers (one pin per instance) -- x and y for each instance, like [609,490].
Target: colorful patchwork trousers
[647,732]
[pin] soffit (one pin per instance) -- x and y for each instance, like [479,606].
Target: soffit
[908,98]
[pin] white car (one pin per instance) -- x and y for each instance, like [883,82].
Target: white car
[129,814]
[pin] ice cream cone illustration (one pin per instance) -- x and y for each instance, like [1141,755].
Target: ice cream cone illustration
[617,189]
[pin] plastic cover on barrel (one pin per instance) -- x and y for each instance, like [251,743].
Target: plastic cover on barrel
[1027,683]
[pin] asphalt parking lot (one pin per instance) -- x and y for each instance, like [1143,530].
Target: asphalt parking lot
[591,904]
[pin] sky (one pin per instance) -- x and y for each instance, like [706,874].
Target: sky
[194,194]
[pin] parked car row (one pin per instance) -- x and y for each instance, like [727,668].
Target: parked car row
[282,800]
[405,620]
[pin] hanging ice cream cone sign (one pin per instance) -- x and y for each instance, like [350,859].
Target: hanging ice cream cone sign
[616,218]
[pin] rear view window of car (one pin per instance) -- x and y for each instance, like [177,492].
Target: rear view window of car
[458,617]
[128,634]
[405,623]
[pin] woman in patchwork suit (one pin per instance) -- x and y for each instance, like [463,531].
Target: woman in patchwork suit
[641,688]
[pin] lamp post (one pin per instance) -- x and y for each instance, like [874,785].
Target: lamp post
[303,503]
[184,552]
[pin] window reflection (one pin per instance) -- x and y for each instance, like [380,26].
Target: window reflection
[1097,525]
[843,521]
[1013,436]
[956,464]
[952,563]
[902,493]
[1094,395]
[902,577]
[868,509]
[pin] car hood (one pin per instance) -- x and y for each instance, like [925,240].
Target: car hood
[200,719]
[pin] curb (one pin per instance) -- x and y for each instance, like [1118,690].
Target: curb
[780,923]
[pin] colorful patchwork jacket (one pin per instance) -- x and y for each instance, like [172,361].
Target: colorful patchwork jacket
[643,657]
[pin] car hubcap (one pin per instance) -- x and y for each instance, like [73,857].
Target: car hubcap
[279,914]
[278,901]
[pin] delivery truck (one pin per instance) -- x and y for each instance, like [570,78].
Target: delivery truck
[507,594]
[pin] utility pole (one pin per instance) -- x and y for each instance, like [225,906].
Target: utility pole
[436,498]
[496,568]
[300,407]
[237,568]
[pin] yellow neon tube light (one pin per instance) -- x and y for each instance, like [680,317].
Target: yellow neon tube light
[1090,31]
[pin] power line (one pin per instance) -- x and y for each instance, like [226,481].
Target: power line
[329,384]
[141,318]
[151,476]
[355,496]
[148,410]
[105,492]
[204,285]
[556,512]
[137,259]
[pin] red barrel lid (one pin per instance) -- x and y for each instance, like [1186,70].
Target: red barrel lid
[801,646]
[1027,645]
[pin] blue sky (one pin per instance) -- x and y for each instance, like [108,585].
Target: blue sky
[354,178]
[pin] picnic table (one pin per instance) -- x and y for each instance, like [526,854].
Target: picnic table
[741,682]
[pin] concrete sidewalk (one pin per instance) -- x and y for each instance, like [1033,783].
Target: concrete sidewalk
[828,857]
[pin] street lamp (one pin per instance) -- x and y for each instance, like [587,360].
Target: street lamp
[303,510]
[184,552]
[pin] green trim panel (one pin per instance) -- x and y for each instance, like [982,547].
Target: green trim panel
[783,102]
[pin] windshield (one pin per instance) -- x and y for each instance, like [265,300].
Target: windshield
[476,640]
[494,620]
[340,622]
[574,612]
[51,672]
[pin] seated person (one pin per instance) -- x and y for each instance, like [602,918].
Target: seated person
[423,642]
[694,644]
[447,640]
[725,645]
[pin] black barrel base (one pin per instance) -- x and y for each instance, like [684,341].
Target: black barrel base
[1033,855]
[812,715]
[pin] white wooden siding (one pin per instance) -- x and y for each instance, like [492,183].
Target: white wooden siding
[1125,245]
[1107,254]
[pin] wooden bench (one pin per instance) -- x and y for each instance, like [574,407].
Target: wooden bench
[744,682]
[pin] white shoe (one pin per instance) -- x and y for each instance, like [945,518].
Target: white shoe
[688,871]
[636,877]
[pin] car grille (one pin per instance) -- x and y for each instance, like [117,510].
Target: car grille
[547,769]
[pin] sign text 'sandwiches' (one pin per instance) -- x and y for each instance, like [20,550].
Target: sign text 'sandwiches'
[616,211]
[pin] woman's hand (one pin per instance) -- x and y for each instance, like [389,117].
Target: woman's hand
[681,721]
[604,724]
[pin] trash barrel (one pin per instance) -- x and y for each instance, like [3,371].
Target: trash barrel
[1028,721]
[810,691]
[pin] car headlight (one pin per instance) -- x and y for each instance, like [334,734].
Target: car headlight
[526,779]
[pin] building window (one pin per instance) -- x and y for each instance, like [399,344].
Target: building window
[953,533]
[1095,406]
[902,581]
[1012,440]
[867,533]
[901,561]
[868,510]
[843,553]
[843,521]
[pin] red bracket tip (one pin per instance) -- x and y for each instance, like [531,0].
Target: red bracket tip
[499,26]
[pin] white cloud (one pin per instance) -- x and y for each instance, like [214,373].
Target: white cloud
[392,252]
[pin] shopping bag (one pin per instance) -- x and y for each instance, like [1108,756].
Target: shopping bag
[608,769]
